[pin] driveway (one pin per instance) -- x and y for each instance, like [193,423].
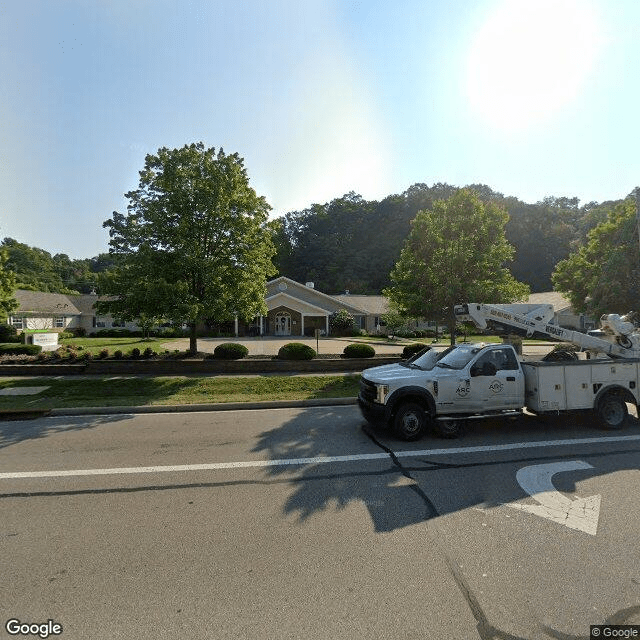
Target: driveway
[269,346]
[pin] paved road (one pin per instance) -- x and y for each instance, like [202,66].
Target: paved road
[300,524]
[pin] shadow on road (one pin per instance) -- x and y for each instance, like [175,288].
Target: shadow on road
[14,432]
[400,490]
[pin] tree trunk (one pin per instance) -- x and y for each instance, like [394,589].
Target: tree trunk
[452,329]
[193,338]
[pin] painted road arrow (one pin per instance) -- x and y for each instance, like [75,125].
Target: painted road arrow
[581,514]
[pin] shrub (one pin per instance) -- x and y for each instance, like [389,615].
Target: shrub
[65,335]
[104,353]
[86,356]
[149,353]
[230,351]
[411,349]
[118,355]
[341,323]
[8,334]
[20,349]
[296,351]
[359,350]
[135,352]
[72,355]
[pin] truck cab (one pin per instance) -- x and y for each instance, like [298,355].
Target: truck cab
[436,388]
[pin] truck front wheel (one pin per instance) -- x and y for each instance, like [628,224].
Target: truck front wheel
[612,412]
[410,421]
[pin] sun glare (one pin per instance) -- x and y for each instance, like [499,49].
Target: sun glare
[530,59]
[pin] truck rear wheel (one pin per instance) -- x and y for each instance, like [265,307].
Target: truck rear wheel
[410,421]
[612,412]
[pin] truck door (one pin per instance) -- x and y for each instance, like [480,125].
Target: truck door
[496,380]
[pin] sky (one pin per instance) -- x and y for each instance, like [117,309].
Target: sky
[320,97]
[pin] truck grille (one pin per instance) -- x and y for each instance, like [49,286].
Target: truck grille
[367,390]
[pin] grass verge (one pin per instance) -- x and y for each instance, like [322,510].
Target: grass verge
[95,345]
[109,391]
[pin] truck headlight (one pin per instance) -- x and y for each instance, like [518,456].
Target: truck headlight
[381,392]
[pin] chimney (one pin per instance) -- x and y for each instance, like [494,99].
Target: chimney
[309,284]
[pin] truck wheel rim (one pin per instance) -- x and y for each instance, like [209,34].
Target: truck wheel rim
[613,413]
[410,423]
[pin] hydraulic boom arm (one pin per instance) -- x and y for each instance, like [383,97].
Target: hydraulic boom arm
[619,339]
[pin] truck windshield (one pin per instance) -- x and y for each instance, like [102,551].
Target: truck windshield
[425,359]
[457,357]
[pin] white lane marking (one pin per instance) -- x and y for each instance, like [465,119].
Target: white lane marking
[513,445]
[214,466]
[581,514]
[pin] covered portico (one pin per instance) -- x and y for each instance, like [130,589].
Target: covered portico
[290,316]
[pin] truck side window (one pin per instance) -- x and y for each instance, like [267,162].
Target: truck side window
[503,359]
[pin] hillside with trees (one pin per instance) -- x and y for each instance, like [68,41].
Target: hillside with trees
[37,270]
[353,244]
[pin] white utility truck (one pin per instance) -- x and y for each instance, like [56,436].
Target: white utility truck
[469,381]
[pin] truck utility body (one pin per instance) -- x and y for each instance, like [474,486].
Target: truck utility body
[471,381]
[574,385]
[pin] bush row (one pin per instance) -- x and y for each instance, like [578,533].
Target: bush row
[20,349]
[225,351]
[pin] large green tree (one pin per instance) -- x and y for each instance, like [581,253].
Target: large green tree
[603,275]
[194,243]
[455,252]
[8,303]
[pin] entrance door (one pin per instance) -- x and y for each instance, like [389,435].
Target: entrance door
[283,324]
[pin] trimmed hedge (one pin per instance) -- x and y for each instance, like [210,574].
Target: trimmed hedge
[20,349]
[412,349]
[359,350]
[230,351]
[296,351]
[8,334]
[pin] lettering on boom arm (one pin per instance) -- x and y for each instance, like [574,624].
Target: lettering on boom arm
[511,318]
[555,331]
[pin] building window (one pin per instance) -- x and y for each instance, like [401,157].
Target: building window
[59,322]
[117,323]
[17,323]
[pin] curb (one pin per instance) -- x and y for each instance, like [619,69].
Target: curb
[29,414]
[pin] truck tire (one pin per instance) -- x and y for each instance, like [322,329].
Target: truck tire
[612,411]
[410,421]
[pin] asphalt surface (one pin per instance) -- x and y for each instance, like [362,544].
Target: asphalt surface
[303,524]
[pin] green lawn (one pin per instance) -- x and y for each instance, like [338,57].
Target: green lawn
[95,345]
[110,391]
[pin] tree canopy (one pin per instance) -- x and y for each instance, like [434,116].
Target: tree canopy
[455,252]
[603,275]
[194,243]
[37,270]
[353,243]
[8,303]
